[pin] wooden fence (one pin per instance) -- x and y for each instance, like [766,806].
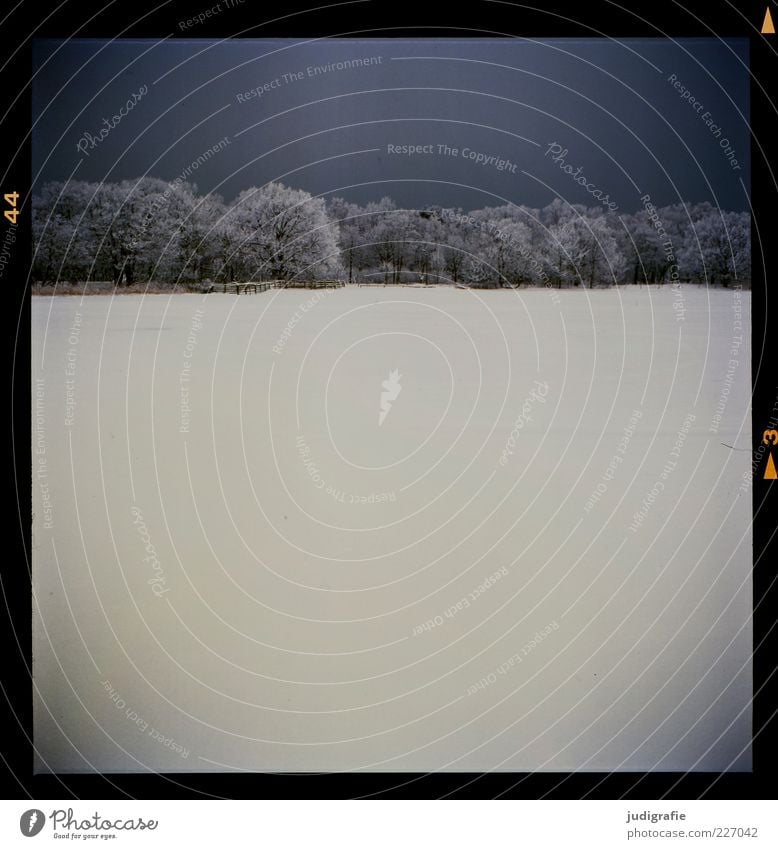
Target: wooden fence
[309,284]
[244,288]
[254,288]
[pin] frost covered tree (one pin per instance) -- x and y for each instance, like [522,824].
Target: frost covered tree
[511,242]
[399,236]
[66,228]
[717,248]
[564,247]
[198,232]
[137,225]
[603,260]
[346,215]
[150,230]
[372,254]
[644,247]
[285,233]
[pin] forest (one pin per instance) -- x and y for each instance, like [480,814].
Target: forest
[150,231]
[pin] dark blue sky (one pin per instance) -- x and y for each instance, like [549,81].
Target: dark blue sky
[611,105]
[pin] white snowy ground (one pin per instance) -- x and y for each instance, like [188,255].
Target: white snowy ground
[244,584]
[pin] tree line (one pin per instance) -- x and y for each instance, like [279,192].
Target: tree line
[150,230]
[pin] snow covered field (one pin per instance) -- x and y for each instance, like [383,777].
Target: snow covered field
[395,529]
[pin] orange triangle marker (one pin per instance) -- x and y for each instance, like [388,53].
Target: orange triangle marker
[768,28]
[769,472]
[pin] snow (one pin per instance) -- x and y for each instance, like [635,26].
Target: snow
[295,547]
